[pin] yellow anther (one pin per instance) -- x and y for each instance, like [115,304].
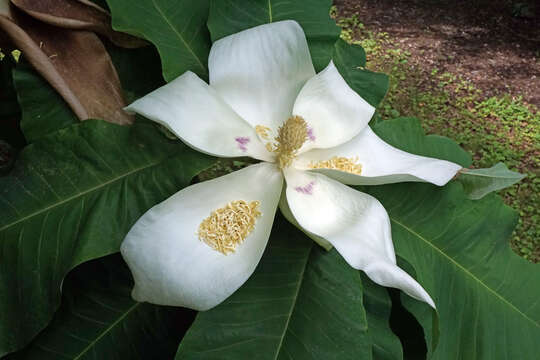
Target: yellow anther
[291,136]
[262,131]
[269,147]
[339,163]
[227,227]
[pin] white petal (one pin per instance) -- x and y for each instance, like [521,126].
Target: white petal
[356,224]
[171,266]
[195,113]
[286,211]
[334,112]
[381,163]
[390,275]
[260,71]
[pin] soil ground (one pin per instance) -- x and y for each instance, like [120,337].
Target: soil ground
[489,46]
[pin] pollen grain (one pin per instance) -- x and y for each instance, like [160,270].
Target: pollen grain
[263,131]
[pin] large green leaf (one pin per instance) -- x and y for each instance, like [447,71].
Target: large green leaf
[350,60]
[176,27]
[230,16]
[43,109]
[72,197]
[486,296]
[99,320]
[385,344]
[301,303]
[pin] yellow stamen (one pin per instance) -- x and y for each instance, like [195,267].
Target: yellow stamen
[262,131]
[269,147]
[291,136]
[339,163]
[227,227]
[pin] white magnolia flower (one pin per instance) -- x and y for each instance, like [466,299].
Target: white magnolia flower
[311,130]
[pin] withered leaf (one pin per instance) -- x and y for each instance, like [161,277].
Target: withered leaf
[77,15]
[74,62]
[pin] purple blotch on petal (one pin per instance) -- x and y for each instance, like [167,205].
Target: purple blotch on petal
[310,134]
[242,142]
[308,189]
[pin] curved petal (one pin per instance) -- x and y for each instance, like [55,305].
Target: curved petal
[286,211]
[169,263]
[259,71]
[195,113]
[356,224]
[335,113]
[380,162]
[390,275]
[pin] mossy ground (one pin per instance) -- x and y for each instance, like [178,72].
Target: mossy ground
[501,128]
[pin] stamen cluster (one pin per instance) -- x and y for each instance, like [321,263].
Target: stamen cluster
[227,227]
[291,136]
[339,163]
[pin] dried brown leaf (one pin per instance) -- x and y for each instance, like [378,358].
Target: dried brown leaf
[74,62]
[77,15]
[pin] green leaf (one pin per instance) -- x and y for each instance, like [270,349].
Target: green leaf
[176,27]
[486,296]
[407,134]
[459,249]
[385,344]
[229,16]
[99,320]
[139,70]
[424,314]
[302,302]
[43,109]
[477,183]
[349,60]
[72,197]
[353,56]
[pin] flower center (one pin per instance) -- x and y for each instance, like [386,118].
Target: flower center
[291,136]
[350,165]
[227,227]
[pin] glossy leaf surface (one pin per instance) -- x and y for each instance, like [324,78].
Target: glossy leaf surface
[99,320]
[176,27]
[487,297]
[71,197]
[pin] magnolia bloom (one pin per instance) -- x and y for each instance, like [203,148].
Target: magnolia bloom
[265,101]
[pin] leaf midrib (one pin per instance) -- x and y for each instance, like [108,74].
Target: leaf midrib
[107,330]
[466,271]
[293,304]
[80,194]
[188,47]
